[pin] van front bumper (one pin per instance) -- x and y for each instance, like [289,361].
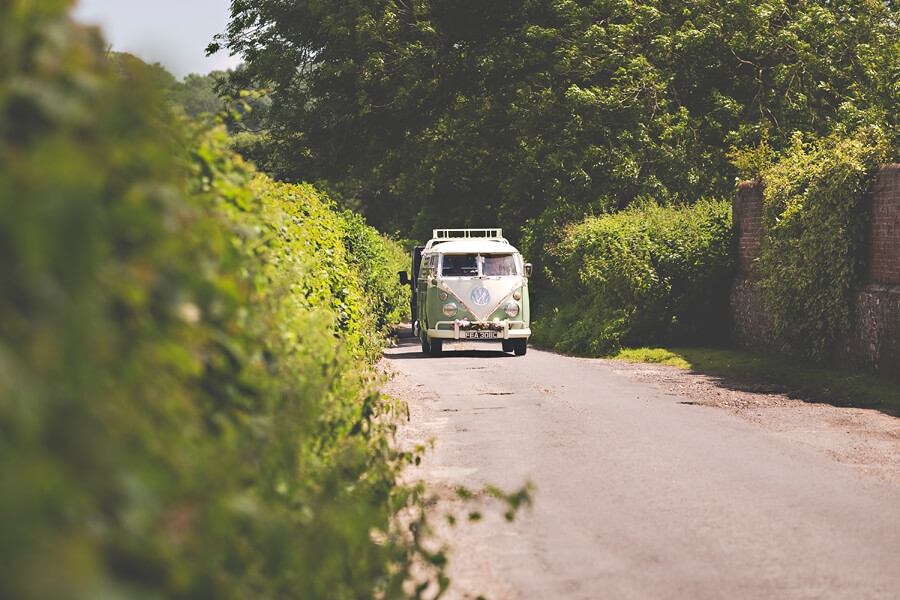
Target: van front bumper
[455,332]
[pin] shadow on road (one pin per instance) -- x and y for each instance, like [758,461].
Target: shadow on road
[763,387]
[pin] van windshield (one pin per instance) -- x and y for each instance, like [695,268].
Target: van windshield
[479,265]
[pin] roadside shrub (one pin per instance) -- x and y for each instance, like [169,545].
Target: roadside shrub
[377,260]
[812,252]
[649,274]
[183,409]
[350,268]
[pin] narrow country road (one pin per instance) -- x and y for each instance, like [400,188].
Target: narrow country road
[639,492]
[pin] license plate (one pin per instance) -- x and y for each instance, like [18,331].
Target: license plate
[481,335]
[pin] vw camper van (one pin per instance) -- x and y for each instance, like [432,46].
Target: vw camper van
[469,284]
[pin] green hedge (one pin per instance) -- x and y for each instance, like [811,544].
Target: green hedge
[646,275]
[377,260]
[351,269]
[184,408]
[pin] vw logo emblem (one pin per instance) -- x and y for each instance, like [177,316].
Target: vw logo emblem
[481,296]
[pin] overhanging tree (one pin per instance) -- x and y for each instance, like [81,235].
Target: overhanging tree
[459,111]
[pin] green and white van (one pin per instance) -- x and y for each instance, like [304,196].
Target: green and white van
[469,284]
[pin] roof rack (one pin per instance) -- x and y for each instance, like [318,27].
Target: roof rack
[465,234]
[440,236]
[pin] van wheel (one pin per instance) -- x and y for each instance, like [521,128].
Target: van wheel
[425,347]
[520,346]
[437,345]
[507,345]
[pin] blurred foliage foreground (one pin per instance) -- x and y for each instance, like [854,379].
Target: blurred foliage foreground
[186,409]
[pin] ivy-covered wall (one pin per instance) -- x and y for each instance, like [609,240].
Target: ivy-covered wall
[873,340]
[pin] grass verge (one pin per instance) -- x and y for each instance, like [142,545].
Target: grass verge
[833,386]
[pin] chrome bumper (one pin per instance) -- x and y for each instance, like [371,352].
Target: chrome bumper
[506,332]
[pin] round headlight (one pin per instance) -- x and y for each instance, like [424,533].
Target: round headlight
[512,309]
[450,309]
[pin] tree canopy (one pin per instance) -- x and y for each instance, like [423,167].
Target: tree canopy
[464,112]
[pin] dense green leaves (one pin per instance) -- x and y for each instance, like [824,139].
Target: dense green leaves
[646,275]
[183,409]
[813,250]
[376,263]
[457,112]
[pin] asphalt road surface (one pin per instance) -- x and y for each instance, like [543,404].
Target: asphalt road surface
[640,493]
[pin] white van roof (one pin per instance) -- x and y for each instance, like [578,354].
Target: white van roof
[467,241]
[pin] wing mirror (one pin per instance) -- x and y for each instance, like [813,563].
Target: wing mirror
[404,278]
[529,269]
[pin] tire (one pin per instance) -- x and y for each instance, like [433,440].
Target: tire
[437,344]
[507,345]
[520,346]
[425,347]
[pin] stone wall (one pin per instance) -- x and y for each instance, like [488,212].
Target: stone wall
[873,341]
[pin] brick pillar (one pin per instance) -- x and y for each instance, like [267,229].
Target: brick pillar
[746,213]
[884,252]
[750,323]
